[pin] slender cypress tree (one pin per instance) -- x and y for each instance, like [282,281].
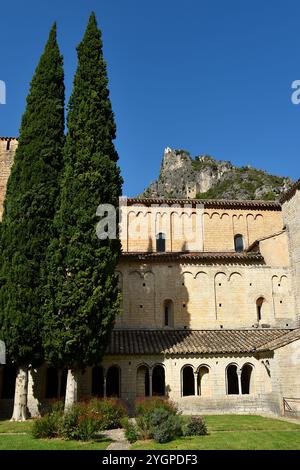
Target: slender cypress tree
[26,231]
[83,298]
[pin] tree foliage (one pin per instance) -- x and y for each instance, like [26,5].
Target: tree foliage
[31,196]
[82,293]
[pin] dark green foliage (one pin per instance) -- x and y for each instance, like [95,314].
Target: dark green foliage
[155,414]
[49,426]
[82,296]
[31,196]
[111,411]
[195,427]
[80,423]
[168,428]
[132,432]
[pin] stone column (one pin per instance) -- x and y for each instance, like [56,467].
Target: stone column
[239,374]
[104,385]
[196,383]
[150,381]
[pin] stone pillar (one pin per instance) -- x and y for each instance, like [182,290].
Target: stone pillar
[196,383]
[239,374]
[104,384]
[150,382]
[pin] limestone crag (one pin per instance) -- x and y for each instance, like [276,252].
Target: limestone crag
[182,176]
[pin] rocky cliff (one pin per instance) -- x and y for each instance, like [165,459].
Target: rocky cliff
[204,177]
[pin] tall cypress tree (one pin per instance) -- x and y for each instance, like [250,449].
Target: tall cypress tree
[83,293]
[26,231]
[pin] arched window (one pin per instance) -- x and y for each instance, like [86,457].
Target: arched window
[56,382]
[232,380]
[203,381]
[98,381]
[168,319]
[161,242]
[246,379]
[8,381]
[238,243]
[158,381]
[142,382]
[259,308]
[113,382]
[188,381]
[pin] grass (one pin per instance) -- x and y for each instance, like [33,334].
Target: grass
[236,432]
[12,426]
[17,436]
[27,442]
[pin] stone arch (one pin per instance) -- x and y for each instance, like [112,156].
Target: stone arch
[280,293]
[247,379]
[239,244]
[160,242]
[158,380]
[203,381]
[8,375]
[113,381]
[261,308]
[138,225]
[232,381]
[142,381]
[98,381]
[187,380]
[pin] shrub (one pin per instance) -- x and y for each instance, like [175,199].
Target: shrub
[195,427]
[132,432]
[81,423]
[48,426]
[153,414]
[168,429]
[110,410]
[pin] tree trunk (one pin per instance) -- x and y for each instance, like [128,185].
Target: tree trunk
[72,388]
[20,401]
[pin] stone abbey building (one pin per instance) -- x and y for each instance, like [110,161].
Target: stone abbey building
[210,310]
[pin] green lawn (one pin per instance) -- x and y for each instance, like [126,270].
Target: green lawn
[236,432]
[19,438]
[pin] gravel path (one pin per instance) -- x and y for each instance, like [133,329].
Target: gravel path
[119,440]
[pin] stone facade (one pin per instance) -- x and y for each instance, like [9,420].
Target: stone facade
[8,146]
[210,308]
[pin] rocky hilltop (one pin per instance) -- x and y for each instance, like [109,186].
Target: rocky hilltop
[204,177]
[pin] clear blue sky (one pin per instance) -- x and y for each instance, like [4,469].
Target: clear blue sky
[207,76]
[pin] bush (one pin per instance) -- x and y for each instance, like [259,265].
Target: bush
[48,426]
[168,429]
[80,423]
[158,418]
[110,410]
[195,427]
[145,409]
[132,432]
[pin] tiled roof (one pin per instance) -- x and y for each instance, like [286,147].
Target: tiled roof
[290,193]
[209,203]
[204,257]
[281,341]
[142,342]
[8,138]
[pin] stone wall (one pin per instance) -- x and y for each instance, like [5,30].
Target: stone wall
[8,147]
[204,296]
[291,214]
[187,229]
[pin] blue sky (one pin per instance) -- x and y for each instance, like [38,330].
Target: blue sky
[207,76]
